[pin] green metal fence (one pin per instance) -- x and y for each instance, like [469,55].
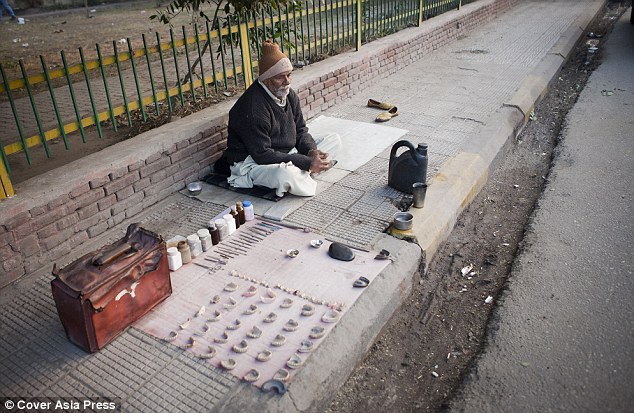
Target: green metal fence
[128,85]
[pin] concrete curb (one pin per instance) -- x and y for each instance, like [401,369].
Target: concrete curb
[461,178]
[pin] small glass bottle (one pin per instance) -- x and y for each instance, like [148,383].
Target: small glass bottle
[240,209]
[195,246]
[223,230]
[186,255]
[174,260]
[231,223]
[213,231]
[205,238]
[236,217]
[249,215]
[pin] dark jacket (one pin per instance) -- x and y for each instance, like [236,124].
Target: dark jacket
[259,127]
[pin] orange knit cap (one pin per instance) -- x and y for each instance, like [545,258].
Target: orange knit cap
[272,61]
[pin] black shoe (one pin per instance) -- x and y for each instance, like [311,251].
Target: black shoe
[13,18]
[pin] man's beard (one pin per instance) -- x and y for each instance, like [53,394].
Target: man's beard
[282,92]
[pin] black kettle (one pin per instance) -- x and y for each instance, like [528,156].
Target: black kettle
[407,168]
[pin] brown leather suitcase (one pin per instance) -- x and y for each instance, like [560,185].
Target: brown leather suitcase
[105,291]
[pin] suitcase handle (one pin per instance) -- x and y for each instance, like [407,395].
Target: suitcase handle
[110,256]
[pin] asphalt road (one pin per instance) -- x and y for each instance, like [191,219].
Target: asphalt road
[562,337]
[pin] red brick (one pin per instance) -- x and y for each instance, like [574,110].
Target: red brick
[82,189]
[6,253]
[67,221]
[128,203]
[196,138]
[136,166]
[107,202]
[28,246]
[58,252]
[121,183]
[182,176]
[23,230]
[84,200]
[183,153]
[78,239]
[153,158]
[330,82]
[97,229]
[37,211]
[99,182]
[87,211]
[47,231]
[17,220]
[316,88]
[5,238]
[155,189]
[57,239]
[158,176]
[124,193]
[139,185]
[49,217]
[116,220]
[155,166]
[93,220]
[60,200]
[118,173]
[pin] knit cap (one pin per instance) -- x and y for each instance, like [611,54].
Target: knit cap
[272,61]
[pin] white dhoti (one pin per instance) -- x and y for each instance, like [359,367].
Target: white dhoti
[283,177]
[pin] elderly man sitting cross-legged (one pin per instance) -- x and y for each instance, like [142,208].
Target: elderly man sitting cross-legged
[268,143]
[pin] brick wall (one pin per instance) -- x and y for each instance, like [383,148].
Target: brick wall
[54,214]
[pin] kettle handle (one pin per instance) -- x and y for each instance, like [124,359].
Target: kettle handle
[399,144]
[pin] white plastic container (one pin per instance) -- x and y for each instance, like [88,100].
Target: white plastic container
[205,238]
[223,230]
[249,215]
[231,223]
[195,245]
[174,260]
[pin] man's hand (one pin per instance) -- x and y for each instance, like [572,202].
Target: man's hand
[319,162]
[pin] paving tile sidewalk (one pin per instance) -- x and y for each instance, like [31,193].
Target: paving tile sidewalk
[443,100]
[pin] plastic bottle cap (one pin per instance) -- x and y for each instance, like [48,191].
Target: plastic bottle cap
[173,251]
[193,238]
[246,203]
[203,233]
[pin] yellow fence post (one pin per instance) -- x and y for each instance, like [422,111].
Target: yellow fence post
[358,39]
[420,12]
[247,66]
[6,189]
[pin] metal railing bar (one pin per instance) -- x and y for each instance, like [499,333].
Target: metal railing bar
[189,66]
[54,101]
[125,99]
[90,94]
[200,61]
[17,121]
[35,112]
[105,85]
[72,97]
[178,76]
[139,93]
[149,69]
[211,58]
[167,86]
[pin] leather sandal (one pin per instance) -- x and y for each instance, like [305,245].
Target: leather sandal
[381,105]
[385,116]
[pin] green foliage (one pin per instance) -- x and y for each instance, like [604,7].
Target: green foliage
[211,10]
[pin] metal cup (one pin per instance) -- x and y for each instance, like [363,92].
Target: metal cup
[419,189]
